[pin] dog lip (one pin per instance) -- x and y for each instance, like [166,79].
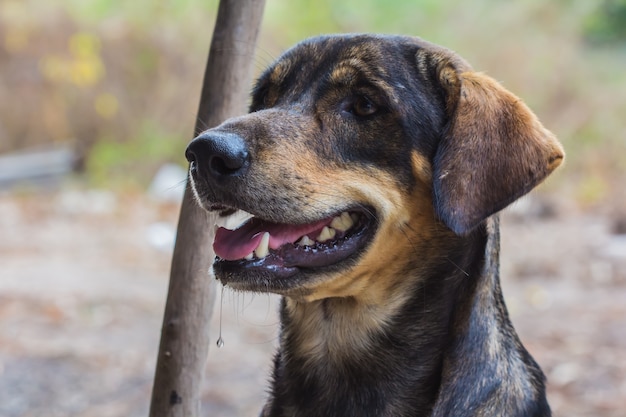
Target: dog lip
[326,253]
[290,258]
[223,211]
[246,272]
[237,244]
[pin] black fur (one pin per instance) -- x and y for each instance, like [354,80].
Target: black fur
[415,119]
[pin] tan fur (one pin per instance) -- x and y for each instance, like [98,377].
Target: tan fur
[364,298]
[405,223]
[442,150]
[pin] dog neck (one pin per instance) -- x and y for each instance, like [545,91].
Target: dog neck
[338,357]
[486,364]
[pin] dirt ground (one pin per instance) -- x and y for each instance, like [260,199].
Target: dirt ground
[83,279]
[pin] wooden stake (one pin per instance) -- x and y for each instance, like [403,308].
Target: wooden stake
[185,332]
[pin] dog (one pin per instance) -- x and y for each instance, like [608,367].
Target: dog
[373,168]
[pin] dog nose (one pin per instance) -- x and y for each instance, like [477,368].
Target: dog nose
[218,154]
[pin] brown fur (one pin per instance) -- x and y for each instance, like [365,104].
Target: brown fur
[471,182]
[426,150]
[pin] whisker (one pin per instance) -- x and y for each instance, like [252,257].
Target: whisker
[179,184]
[457,266]
[201,126]
[263,57]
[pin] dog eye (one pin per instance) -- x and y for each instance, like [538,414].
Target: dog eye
[363,107]
[360,106]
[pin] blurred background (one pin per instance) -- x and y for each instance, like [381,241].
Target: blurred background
[97,103]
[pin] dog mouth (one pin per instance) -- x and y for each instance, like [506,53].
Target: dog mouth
[260,249]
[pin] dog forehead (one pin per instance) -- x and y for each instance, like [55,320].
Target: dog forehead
[337,60]
[373,47]
[328,52]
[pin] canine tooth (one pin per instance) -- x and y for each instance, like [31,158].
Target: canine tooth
[327,233]
[249,256]
[233,221]
[263,249]
[305,241]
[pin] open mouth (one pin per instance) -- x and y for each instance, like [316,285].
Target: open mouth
[277,251]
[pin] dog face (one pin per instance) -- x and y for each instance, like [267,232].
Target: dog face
[359,157]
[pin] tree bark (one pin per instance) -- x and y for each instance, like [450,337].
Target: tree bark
[185,332]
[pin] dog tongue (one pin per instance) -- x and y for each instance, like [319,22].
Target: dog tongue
[236,244]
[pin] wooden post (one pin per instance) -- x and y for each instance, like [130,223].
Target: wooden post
[185,332]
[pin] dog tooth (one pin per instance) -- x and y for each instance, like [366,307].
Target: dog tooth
[263,248]
[233,221]
[347,220]
[305,241]
[342,222]
[338,224]
[249,256]
[324,235]
[327,233]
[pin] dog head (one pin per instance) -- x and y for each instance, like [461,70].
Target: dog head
[360,153]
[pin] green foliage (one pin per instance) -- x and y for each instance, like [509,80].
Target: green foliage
[122,79]
[140,13]
[591,190]
[133,163]
[298,19]
[607,24]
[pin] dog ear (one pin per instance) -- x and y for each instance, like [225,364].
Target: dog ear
[493,149]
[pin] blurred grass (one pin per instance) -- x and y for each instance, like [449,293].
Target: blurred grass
[121,81]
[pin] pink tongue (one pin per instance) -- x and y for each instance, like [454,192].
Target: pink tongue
[236,244]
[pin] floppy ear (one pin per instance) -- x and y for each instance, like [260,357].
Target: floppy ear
[493,150]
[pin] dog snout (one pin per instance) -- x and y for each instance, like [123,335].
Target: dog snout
[218,155]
